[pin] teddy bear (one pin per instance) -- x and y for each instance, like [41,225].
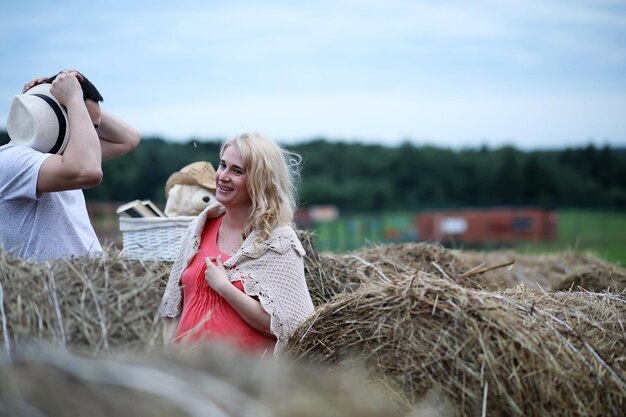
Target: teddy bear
[187,200]
[190,190]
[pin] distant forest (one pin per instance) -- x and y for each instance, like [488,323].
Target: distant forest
[362,177]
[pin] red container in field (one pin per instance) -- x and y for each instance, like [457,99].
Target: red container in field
[487,226]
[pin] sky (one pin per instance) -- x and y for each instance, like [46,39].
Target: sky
[533,74]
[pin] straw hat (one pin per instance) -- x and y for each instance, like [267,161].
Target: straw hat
[198,173]
[38,120]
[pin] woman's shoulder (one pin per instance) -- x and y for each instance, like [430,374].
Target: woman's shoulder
[194,230]
[212,211]
[282,239]
[283,230]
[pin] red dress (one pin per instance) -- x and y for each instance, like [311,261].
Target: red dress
[206,314]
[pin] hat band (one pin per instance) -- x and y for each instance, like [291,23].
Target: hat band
[62,125]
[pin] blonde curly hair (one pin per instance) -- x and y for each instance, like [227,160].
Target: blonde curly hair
[272,176]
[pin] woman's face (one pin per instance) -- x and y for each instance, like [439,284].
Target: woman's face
[231,181]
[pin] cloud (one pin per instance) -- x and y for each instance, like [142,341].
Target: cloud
[529,121]
[447,70]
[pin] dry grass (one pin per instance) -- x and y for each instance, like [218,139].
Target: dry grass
[93,304]
[213,382]
[519,352]
[330,274]
[448,331]
[562,271]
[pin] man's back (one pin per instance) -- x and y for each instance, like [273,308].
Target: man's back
[40,227]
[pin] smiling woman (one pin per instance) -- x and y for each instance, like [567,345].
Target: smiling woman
[231,180]
[241,269]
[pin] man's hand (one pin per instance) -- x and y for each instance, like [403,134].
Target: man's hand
[66,88]
[33,83]
[41,80]
[79,166]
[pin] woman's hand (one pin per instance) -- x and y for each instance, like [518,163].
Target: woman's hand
[247,307]
[215,274]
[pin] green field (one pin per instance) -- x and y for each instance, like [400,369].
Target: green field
[601,232]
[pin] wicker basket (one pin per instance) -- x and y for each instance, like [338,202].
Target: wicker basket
[151,238]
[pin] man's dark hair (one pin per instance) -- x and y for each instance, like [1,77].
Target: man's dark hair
[89,90]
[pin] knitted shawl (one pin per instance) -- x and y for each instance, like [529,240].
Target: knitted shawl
[272,270]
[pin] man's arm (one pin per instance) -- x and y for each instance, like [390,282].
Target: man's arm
[80,165]
[116,136]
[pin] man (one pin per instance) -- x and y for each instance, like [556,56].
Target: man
[59,138]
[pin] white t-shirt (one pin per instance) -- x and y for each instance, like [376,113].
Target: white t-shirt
[40,227]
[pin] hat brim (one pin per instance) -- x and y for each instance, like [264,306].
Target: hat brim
[37,120]
[187,179]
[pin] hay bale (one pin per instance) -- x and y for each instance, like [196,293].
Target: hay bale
[330,274]
[416,310]
[555,272]
[213,382]
[111,302]
[521,352]
[92,304]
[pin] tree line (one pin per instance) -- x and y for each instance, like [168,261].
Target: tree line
[366,177]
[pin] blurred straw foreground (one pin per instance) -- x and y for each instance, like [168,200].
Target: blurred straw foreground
[214,382]
[410,329]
